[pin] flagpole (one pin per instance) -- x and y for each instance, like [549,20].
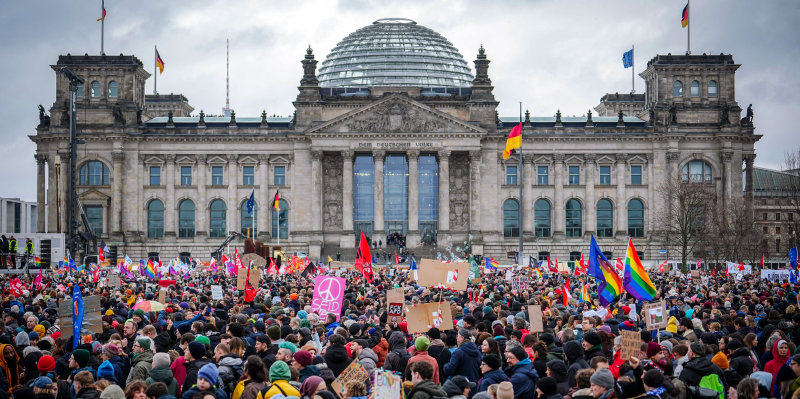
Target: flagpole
[521,183]
[155,75]
[689,28]
[633,67]
[102,27]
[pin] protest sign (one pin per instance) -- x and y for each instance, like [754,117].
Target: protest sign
[341,265]
[113,279]
[453,275]
[631,344]
[354,372]
[733,268]
[92,320]
[696,277]
[258,261]
[395,299]
[386,385]
[162,296]
[422,317]
[216,292]
[255,278]
[775,275]
[535,316]
[655,315]
[519,283]
[328,295]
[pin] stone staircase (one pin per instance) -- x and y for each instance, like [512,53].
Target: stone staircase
[349,254]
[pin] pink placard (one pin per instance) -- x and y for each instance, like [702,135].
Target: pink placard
[328,296]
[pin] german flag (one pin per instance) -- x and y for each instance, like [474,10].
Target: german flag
[514,141]
[104,13]
[685,16]
[276,202]
[159,63]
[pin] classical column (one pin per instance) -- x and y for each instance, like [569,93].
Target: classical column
[63,196]
[621,214]
[40,193]
[475,192]
[413,198]
[444,192]
[590,205]
[316,195]
[559,217]
[347,239]
[527,192]
[115,213]
[130,204]
[51,224]
[264,202]
[378,157]
[201,214]
[231,222]
[727,188]
[138,211]
[672,165]
[650,207]
[749,160]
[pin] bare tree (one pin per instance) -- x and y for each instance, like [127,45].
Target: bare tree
[686,218]
[790,188]
[732,235]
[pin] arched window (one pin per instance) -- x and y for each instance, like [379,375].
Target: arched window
[280,223]
[712,88]
[96,89]
[574,218]
[697,171]
[605,218]
[80,90]
[541,218]
[511,218]
[113,90]
[677,89]
[636,218]
[249,221]
[93,173]
[155,219]
[216,212]
[186,219]
[694,91]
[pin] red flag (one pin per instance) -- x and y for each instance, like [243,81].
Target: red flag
[95,274]
[741,266]
[565,292]
[583,266]
[364,259]
[550,266]
[237,261]
[249,291]
[714,271]
[761,264]
[620,265]
[396,258]
[273,268]
[37,282]
[661,267]
[100,257]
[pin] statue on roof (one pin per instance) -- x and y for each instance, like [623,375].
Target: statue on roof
[44,119]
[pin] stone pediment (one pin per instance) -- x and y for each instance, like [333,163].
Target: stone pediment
[216,160]
[153,160]
[248,160]
[396,114]
[94,195]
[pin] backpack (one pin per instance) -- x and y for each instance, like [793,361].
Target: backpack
[709,387]
[397,360]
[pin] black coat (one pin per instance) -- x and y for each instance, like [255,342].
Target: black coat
[336,358]
[741,361]
[697,368]
[192,368]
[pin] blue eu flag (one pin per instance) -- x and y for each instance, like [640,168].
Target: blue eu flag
[77,316]
[251,203]
[627,58]
[793,258]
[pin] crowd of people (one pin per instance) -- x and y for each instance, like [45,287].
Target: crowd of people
[725,338]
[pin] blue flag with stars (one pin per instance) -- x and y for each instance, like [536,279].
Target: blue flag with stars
[627,58]
[251,203]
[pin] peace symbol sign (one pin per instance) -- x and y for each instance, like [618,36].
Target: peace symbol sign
[329,289]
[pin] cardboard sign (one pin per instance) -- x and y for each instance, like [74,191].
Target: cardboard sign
[113,279]
[341,265]
[258,261]
[453,275]
[92,320]
[354,372]
[386,385]
[328,296]
[696,277]
[535,316]
[520,283]
[395,301]
[422,317]
[216,292]
[255,278]
[631,344]
[162,296]
[655,315]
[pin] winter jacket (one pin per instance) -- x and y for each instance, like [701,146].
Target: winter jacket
[556,395]
[573,351]
[397,358]
[192,368]
[142,364]
[595,351]
[381,349]
[558,369]
[120,364]
[697,368]
[308,371]
[87,393]
[426,389]
[490,378]
[423,356]
[230,369]
[466,361]
[218,393]
[337,359]
[178,368]
[164,374]
[278,387]
[584,393]
[248,389]
[741,361]
[368,359]
[523,378]
[453,391]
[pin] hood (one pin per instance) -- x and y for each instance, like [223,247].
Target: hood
[337,354]
[451,388]
[397,341]
[471,350]
[161,374]
[741,352]
[775,356]
[573,350]
[559,369]
[146,356]
[367,353]
[525,368]
[701,365]
[431,388]
[230,360]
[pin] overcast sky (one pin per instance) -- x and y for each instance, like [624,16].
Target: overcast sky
[548,54]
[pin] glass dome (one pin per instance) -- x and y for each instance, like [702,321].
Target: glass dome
[394,52]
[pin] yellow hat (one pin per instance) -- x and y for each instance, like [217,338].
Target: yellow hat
[39,329]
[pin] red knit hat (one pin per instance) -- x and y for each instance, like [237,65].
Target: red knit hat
[46,364]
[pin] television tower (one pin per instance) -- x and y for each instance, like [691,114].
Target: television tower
[227,110]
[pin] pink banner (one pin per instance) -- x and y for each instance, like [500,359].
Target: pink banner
[328,296]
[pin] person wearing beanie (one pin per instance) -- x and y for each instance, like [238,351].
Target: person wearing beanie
[360,350]
[466,360]
[602,384]
[458,387]
[46,364]
[491,373]
[195,359]
[547,388]
[557,369]
[720,360]
[521,372]
[161,372]
[302,360]
[505,390]
[740,358]
[700,366]
[421,345]
[653,381]
[311,386]
[274,334]
[138,319]
[592,345]
[113,354]
[207,378]
[79,361]
[112,392]
[279,376]
[105,371]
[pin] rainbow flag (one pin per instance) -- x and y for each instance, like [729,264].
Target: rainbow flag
[37,261]
[636,281]
[610,285]
[491,264]
[150,269]
[584,294]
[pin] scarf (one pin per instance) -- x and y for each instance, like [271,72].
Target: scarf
[656,392]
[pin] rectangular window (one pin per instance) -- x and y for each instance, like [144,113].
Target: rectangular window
[216,175]
[574,175]
[765,216]
[791,215]
[280,176]
[155,175]
[511,175]
[777,216]
[777,230]
[766,230]
[542,175]
[94,214]
[605,175]
[186,175]
[636,174]
[248,175]
[17,217]
[778,245]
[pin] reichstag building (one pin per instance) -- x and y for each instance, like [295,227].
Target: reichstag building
[395,135]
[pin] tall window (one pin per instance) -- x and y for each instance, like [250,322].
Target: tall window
[186,219]
[605,218]
[574,175]
[155,175]
[155,219]
[677,89]
[635,218]
[395,194]
[636,174]
[186,175]
[574,218]
[113,90]
[216,175]
[280,176]
[511,175]
[96,89]
[280,223]
[697,171]
[712,88]
[511,218]
[217,223]
[428,199]
[542,175]
[80,90]
[778,245]
[94,214]
[541,218]
[694,91]
[248,175]
[363,194]
[93,173]
[249,220]
[605,175]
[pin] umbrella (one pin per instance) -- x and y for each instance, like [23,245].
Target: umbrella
[149,306]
